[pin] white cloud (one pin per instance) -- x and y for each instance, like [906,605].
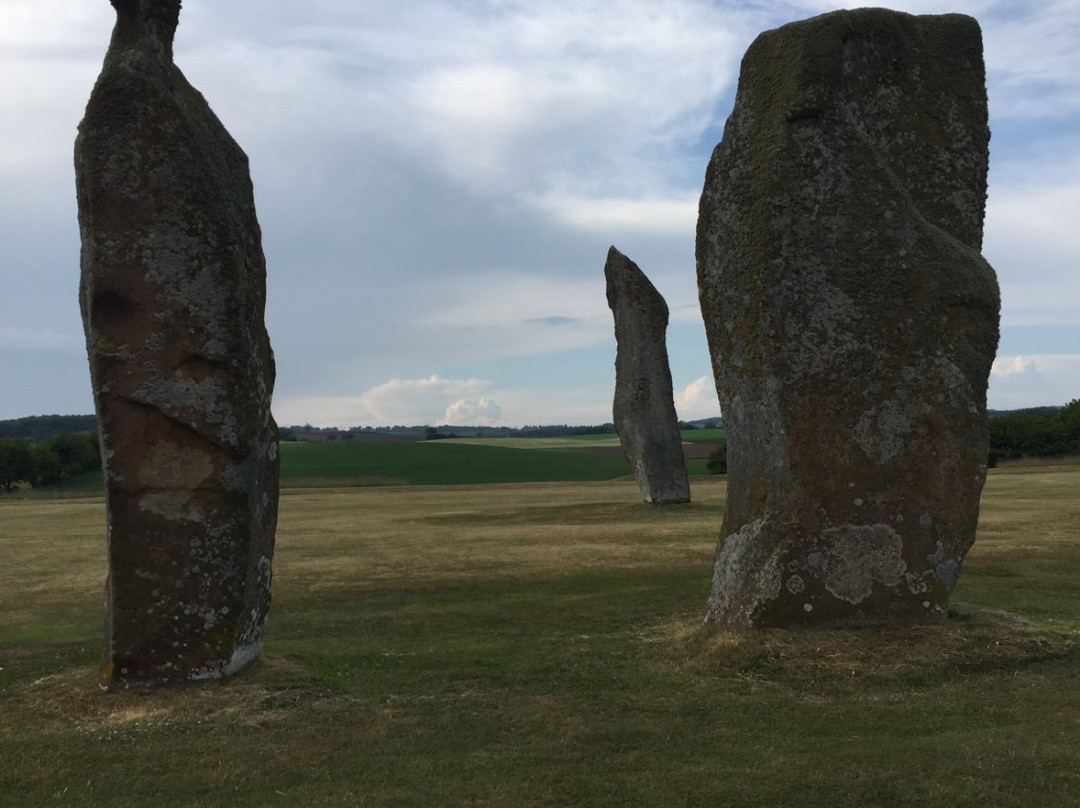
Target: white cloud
[534,405]
[457,402]
[513,97]
[440,181]
[670,216]
[697,400]
[1032,60]
[1012,366]
[48,62]
[394,402]
[538,92]
[469,412]
[23,21]
[412,401]
[1034,381]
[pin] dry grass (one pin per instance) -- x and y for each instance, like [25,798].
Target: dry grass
[73,697]
[850,659]
[467,533]
[542,645]
[54,566]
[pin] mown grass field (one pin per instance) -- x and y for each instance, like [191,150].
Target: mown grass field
[541,645]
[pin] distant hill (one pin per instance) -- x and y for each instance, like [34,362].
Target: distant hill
[1027,411]
[40,427]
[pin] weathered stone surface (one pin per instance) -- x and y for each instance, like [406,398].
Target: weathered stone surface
[851,319]
[644,409]
[172,294]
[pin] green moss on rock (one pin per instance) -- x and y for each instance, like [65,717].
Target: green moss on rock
[851,319]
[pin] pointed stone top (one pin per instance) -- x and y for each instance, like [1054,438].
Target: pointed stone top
[146,23]
[626,282]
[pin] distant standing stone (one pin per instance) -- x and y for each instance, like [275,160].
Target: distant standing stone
[644,408]
[172,295]
[851,320]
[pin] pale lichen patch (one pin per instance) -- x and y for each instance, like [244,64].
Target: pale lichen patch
[176,504]
[859,556]
[851,320]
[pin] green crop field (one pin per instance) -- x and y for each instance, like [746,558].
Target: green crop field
[464,461]
[445,462]
[541,644]
[467,461]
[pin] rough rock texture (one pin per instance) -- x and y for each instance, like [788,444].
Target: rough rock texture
[851,319]
[644,408]
[172,295]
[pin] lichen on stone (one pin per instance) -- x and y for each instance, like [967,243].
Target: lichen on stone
[851,320]
[172,294]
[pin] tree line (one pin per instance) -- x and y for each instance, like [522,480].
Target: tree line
[1014,435]
[33,452]
[1041,432]
[49,461]
[39,427]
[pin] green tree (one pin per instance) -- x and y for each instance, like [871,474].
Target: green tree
[77,451]
[717,462]
[1043,432]
[65,455]
[46,467]
[1070,424]
[16,464]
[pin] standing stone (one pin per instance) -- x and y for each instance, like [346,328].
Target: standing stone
[172,293]
[644,408]
[851,319]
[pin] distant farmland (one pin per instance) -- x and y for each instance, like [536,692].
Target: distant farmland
[469,461]
[464,461]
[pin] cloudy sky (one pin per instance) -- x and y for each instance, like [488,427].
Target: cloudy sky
[439,181]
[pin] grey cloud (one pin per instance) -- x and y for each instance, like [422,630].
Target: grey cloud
[554,321]
[408,214]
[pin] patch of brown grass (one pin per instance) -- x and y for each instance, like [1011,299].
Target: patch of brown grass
[265,693]
[848,659]
[427,535]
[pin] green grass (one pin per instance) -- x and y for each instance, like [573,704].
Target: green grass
[703,435]
[466,461]
[443,462]
[542,645]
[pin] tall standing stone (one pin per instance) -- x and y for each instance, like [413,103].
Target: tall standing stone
[851,319]
[173,290]
[644,408]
